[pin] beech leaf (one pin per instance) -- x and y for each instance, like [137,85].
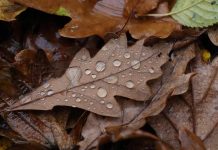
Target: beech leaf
[92,83]
[196,13]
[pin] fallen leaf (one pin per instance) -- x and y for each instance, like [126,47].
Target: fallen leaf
[118,138]
[196,110]
[91,84]
[195,13]
[134,113]
[105,17]
[9,10]
[213,35]
[6,81]
[190,141]
[30,128]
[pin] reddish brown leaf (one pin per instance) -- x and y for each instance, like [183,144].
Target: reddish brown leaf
[130,139]
[105,17]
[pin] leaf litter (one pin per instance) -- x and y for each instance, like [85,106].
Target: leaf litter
[123,80]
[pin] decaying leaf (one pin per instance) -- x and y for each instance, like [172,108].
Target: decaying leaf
[9,10]
[6,83]
[134,113]
[196,111]
[130,139]
[213,35]
[91,84]
[190,141]
[105,16]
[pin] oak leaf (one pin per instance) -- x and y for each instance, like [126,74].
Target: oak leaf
[91,84]
[134,114]
[105,16]
[195,111]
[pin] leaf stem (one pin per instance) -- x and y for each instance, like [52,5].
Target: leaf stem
[175,12]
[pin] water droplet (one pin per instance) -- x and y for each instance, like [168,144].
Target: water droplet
[94,76]
[102,92]
[117,63]
[46,85]
[130,84]
[78,100]
[83,89]
[66,100]
[104,48]
[50,92]
[102,102]
[100,66]
[127,55]
[87,71]
[92,86]
[91,103]
[111,79]
[84,57]
[73,74]
[42,93]
[73,95]
[109,105]
[26,99]
[135,64]
[151,70]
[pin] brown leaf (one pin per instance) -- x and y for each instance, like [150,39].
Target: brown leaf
[30,128]
[140,7]
[9,10]
[190,141]
[134,113]
[91,84]
[195,111]
[6,83]
[118,138]
[105,16]
[213,35]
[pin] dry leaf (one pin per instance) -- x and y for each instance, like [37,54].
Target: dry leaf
[105,16]
[6,83]
[91,84]
[134,113]
[190,141]
[130,139]
[213,35]
[30,128]
[9,10]
[196,111]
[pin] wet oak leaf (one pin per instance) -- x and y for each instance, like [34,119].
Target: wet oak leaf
[196,111]
[134,113]
[104,17]
[9,10]
[91,84]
